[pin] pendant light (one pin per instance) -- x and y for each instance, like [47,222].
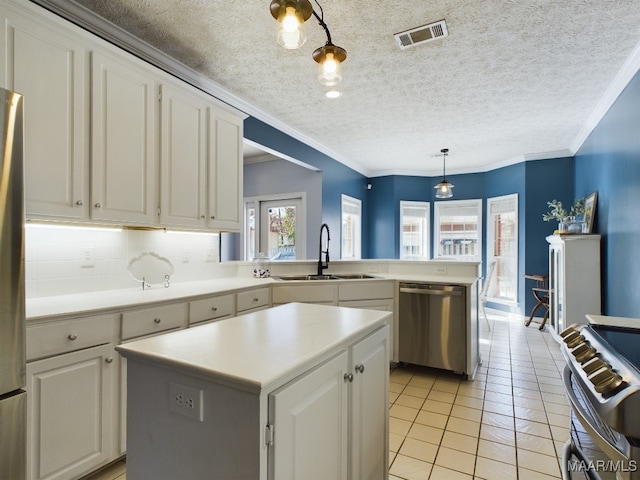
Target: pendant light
[444,189]
[291,14]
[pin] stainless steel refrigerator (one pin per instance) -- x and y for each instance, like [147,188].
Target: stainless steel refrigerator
[13,399]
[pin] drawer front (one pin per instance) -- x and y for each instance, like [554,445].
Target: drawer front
[304,293]
[365,290]
[253,299]
[69,335]
[152,320]
[211,308]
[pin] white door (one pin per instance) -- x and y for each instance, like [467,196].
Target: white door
[369,414]
[54,117]
[183,157]
[281,230]
[309,416]
[124,132]
[69,413]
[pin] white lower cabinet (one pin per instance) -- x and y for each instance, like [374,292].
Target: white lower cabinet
[71,413]
[333,421]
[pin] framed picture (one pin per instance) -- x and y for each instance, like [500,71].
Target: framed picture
[590,210]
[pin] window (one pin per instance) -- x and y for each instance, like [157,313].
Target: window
[458,230]
[275,226]
[351,227]
[502,247]
[414,230]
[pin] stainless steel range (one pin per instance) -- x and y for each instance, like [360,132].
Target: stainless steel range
[602,382]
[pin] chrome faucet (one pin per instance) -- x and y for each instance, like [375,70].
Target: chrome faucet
[322,266]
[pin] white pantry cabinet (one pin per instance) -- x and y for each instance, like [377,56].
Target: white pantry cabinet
[124,97]
[574,279]
[46,64]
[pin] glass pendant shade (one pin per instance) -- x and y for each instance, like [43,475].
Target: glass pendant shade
[329,58]
[291,15]
[444,189]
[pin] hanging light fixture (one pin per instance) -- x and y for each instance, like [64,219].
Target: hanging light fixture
[291,14]
[444,189]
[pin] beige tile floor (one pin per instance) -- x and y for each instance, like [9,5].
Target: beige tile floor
[509,423]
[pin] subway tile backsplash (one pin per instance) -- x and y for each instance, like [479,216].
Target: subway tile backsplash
[57,263]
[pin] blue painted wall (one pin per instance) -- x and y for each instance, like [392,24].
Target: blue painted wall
[609,163]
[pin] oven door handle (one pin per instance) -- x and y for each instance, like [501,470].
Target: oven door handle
[599,439]
[570,450]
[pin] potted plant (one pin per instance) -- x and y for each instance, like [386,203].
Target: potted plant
[568,222]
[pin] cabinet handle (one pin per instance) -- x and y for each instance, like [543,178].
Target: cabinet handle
[256,299]
[79,203]
[215,309]
[348,377]
[360,368]
[202,217]
[213,217]
[72,336]
[97,205]
[109,360]
[157,320]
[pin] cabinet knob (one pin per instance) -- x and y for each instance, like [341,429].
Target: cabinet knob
[157,320]
[213,217]
[109,360]
[215,309]
[360,368]
[79,203]
[202,216]
[97,205]
[348,377]
[256,299]
[72,336]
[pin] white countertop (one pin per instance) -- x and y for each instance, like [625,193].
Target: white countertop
[93,302]
[256,350]
[614,321]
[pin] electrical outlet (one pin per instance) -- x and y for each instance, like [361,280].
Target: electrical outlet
[87,257]
[186,401]
[441,270]
[185,256]
[211,255]
[372,268]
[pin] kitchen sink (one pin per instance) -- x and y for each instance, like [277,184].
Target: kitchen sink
[354,276]
[306,277]
[338,276]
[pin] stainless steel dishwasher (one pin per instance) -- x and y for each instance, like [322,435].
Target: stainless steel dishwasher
[433,326]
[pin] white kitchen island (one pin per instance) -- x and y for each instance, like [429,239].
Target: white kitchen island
[297,391]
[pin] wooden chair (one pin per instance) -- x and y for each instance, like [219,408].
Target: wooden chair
[541,293]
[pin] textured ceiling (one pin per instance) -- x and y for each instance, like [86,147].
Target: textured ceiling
[514,79]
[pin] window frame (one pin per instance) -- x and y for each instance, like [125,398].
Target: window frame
[426,234]
[357,240]
[476,203]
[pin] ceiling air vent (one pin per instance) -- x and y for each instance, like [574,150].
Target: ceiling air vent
[423,34]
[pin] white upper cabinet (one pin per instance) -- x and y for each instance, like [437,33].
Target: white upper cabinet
[47,65]
[225,170]
[183,157]
[123,131]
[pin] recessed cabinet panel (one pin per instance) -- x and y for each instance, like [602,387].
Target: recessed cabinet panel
[225,170]
[310,417]
[183,157]
[70,414]
[54,117]
[124,153]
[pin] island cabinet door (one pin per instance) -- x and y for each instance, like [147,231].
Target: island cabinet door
[309,421]
[369,400]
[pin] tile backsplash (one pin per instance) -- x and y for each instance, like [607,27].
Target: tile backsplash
[63,260]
